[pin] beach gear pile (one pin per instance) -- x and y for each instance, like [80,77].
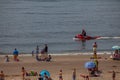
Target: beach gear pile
[31,73]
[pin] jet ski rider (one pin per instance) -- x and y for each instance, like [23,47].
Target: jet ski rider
[83,32]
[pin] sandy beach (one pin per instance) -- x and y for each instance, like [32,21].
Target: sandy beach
[67,63]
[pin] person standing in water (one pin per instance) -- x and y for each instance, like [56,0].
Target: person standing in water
[46,49]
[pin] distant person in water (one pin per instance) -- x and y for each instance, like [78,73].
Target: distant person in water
[83,32]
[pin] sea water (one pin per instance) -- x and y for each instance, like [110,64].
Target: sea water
[24,24]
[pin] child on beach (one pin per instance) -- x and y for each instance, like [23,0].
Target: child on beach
[113,74]
[2,76]
[6,58]
[74,74]
[23,73]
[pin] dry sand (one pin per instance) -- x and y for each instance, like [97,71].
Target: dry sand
[65,62]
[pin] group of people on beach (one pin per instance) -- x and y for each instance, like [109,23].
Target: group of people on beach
[40,55]
[116,55]
[44,56]
[46,77]
[15,56]
[24,73]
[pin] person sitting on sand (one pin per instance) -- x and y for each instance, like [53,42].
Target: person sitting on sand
[48,58]
[45,76]
[40,77]
[93,73]
[2,76]
[86,77]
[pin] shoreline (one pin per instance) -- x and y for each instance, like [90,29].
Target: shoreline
[60,54]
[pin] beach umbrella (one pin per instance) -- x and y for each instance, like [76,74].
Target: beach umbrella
[43,72]
[89,65]
[116,47]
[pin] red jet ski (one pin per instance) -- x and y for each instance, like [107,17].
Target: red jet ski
[83,38]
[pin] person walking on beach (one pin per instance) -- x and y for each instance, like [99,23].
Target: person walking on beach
[95,50]
[96,64]
[74,74]
[94,47]
[2,76]
[113,75]
[60,75]
[15,53]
